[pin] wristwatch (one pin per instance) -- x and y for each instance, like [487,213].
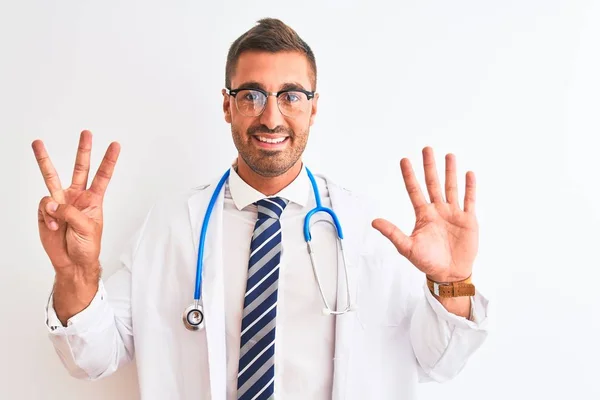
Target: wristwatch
[452,289]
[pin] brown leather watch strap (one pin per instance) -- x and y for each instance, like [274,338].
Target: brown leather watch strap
[452,289]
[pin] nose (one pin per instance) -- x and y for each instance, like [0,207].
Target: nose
[271,117]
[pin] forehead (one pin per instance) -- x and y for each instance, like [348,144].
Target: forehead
[272,70]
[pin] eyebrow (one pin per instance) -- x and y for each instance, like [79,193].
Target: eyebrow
[285,86]
[293,86]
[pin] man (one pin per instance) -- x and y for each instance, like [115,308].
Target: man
[264,334]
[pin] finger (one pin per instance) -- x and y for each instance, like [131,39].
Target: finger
[69,214]
[431,177]
[402,242]
[82,161]
[451,185]
[470,192]
[412,186]
[106,169]
[43,216]
[48,171]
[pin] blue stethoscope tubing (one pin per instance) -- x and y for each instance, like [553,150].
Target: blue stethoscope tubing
[209,210]
[193,317]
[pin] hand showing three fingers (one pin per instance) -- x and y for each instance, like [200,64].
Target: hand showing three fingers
[70,220]
[444,240]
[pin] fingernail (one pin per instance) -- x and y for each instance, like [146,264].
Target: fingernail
[52,206]
[53,225]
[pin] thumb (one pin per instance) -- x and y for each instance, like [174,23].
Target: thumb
[69,214]
[402,242]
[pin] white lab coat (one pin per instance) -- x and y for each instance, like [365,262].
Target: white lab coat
[399,334]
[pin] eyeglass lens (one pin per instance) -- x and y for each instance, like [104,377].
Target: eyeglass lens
[252,103]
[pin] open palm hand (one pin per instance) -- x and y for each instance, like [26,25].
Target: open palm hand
[444,240]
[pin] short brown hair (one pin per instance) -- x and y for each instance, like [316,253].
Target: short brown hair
[273,36]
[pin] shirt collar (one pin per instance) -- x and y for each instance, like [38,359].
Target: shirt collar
[298,191]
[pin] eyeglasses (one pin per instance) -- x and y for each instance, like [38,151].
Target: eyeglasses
[252,102]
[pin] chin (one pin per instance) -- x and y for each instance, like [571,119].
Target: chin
[270,169]
[270,172]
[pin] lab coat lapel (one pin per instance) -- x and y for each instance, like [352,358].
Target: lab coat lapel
[345,324]
[213,298]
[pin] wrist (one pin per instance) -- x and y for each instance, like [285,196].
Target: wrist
[460,306]
[77,275]
[447,278]
[74,290]
[450,288]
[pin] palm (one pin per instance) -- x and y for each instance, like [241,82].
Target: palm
[85,201]
[444,240]
[67,245]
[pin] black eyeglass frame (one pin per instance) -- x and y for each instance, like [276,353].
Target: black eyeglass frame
[233,92]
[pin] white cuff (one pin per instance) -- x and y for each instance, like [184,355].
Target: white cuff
[80,321]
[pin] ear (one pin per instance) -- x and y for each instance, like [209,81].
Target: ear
[226,106]
[313,112]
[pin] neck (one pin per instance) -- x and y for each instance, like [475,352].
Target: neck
[267,185]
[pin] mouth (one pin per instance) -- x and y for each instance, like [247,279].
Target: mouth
[270,142]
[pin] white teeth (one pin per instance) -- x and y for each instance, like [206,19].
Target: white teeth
[266,140]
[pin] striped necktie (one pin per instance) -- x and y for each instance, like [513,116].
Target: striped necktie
[256,372]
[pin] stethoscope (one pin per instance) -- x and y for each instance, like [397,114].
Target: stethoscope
[193,315]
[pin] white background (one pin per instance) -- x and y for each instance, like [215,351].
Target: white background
[511,87]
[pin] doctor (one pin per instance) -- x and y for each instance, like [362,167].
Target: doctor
[413,314]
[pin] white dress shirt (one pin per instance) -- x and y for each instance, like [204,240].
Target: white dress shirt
[304,337]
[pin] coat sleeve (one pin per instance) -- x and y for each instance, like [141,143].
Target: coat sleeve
[443,342]
[99,339]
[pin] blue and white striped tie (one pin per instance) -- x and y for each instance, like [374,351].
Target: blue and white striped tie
[256,372]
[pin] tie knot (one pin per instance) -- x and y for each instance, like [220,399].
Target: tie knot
[271,207]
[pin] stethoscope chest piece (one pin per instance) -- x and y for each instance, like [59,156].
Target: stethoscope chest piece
[193,317]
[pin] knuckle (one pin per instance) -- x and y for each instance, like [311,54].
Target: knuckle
[103,174]
[80,167]
[48,175]
[43,201]
[40,215]
[44,216]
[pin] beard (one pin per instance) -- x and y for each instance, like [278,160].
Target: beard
[269,163]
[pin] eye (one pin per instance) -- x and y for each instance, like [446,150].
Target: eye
[291,97]
[251,95]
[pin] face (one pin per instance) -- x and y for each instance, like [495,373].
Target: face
[258,139]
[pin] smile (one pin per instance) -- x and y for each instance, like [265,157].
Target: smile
[271,140]
[270,143]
